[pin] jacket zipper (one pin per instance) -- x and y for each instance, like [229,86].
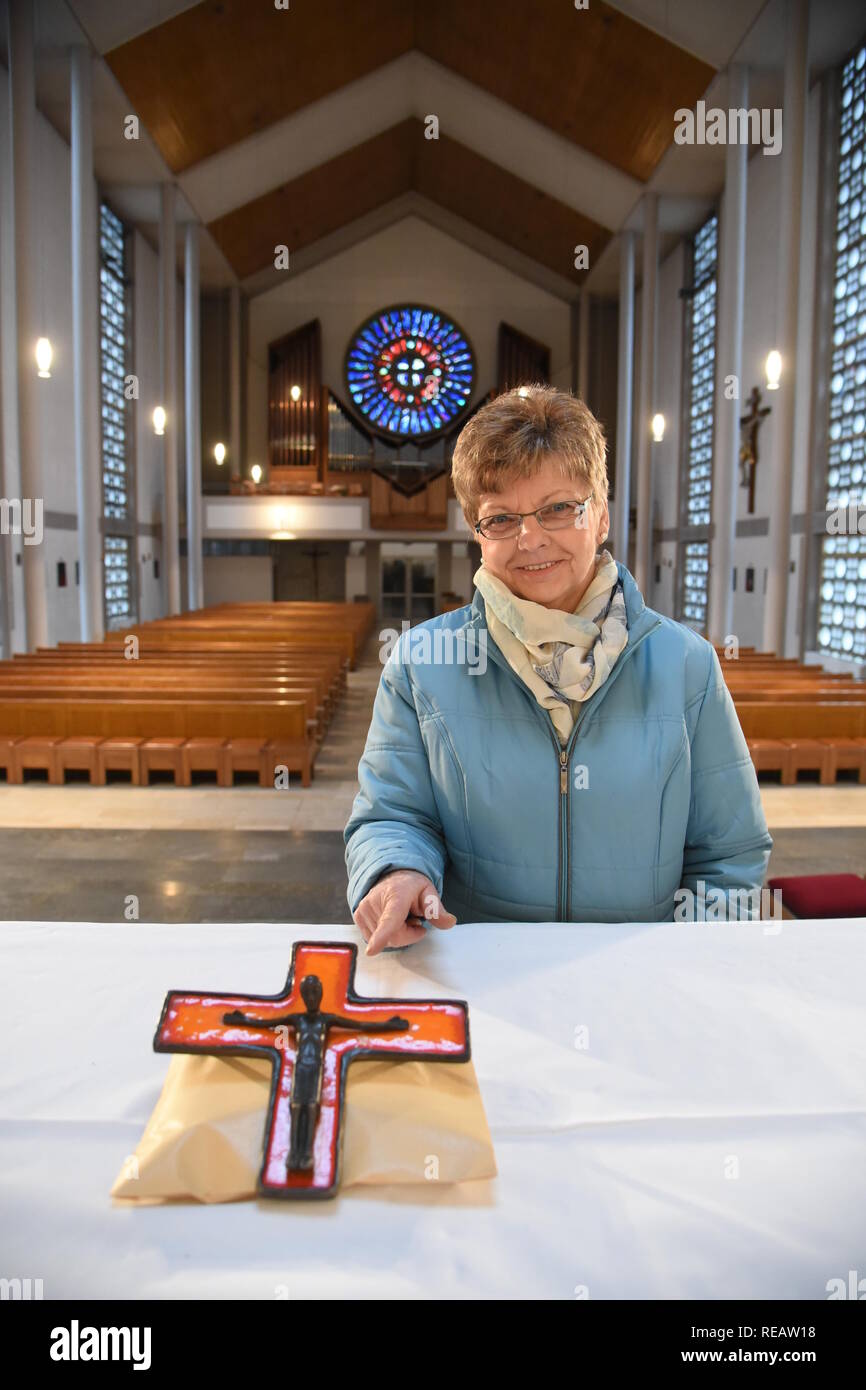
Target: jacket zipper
[563,894]
[563,886]
[563,829]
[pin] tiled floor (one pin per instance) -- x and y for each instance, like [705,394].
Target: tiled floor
[252,855]
[208,875]
[326,806]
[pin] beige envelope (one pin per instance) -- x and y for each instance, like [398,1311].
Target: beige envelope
[404,1122]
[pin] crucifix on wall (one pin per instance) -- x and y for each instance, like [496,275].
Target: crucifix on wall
[749,426]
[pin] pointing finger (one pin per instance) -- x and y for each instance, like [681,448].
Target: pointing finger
[390,923]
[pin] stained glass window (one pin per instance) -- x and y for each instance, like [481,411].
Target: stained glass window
[700,346]
[115,354]
[409,372]
[118,595]
[113,364]
[842,596]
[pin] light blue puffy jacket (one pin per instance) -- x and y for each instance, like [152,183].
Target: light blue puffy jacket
[463,778]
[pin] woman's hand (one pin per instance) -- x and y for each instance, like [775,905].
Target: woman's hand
[382,915]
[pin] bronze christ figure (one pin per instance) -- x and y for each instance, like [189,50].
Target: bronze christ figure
[311,1028]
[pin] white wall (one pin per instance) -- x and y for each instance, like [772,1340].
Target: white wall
[181,419]
[761,326]
[53,314]
[51,253]
[9,411]
[666,454]
[411,260]
[356,575]
[238,579]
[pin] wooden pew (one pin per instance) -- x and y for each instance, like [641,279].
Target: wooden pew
[797,717]
[790,736]
[278,727]
[226,684]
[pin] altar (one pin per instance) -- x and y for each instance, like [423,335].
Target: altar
[677,1110]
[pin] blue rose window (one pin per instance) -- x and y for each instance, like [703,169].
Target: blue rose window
[410,371]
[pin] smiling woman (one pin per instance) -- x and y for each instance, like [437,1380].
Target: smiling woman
[464,812]
[519,475]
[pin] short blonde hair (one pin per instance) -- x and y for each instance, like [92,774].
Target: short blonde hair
[513,434]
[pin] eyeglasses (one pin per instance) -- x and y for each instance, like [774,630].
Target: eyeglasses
[555,516]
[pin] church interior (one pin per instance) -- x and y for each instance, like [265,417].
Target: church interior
[524,222]
[260,264]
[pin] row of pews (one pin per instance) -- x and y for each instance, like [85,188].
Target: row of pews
[796,717]
[234,688]
[252,688]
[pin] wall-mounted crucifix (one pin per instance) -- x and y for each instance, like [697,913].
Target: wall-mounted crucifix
[311,1031]
[749,426]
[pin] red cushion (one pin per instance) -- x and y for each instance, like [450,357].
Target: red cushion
[823,895]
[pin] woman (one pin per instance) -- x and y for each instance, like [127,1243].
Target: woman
[592,766]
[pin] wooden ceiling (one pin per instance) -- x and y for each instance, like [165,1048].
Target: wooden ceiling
[225,70]
[398,161]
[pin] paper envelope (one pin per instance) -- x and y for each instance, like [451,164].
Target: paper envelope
[406,1122]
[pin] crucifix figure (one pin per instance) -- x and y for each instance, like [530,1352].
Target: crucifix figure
[331,1026]
[749,426]
[311,1026]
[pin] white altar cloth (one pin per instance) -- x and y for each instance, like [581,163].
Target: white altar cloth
[678,1111]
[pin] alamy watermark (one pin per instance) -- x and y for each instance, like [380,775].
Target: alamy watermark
[737,126]
[712,904]
[853,1287]
[22,516]
[847,521]
[20,1290]
[438,646]
[77,1343]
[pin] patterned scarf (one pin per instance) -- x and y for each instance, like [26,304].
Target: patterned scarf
[562,657]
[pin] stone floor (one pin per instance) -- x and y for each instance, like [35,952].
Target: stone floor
[81,853]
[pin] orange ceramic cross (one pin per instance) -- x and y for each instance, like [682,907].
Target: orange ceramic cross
[311,1031]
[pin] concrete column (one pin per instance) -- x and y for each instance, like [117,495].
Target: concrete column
[583,345]
[647,394]
[7,592]
[808,597]
[85,348]
[235,379]
[781,458]
[169,392]
[729,362]
[192,416]
[625,390]
[32,498]
[7,596]
[372,552]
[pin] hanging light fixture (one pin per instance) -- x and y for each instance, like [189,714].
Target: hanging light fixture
[295,393]
[44,355]
[658,428]
[256,472]
[159,418]
[219,453]
[773,368]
